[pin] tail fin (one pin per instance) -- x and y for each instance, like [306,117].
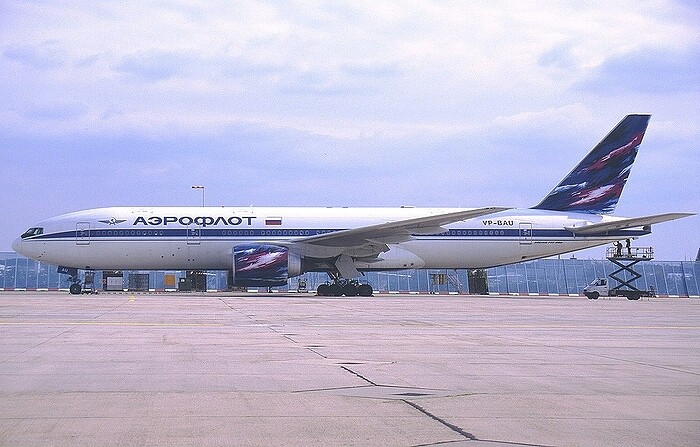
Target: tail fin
[595,185]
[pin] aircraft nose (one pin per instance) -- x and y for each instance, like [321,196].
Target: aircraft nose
[17,245]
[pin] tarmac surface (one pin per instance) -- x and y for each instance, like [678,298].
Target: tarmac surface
[391,370]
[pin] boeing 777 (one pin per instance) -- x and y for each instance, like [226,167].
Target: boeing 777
[264,247]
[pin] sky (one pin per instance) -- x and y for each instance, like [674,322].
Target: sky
[343,103]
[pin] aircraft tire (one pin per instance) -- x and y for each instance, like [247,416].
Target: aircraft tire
[323,290]
[593,295]
[335,289]
[350,289]
[365,290]
[75,289]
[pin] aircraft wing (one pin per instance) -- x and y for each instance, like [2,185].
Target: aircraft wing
[603,227]
[371,240]
[397,231]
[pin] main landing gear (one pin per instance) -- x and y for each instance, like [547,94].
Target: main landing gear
[340,287]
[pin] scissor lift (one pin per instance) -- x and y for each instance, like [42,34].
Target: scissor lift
[626,258]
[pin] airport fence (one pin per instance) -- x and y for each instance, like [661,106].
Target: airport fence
[540,277]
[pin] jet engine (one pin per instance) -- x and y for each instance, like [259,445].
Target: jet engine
[263,265]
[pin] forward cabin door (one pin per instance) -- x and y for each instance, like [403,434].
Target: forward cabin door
[82,233]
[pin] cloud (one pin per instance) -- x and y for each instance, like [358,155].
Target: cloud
[88,61]
[647,71]
[56,111]
[157,65]
[241,68]
[692,5]
[46,55]
[380,70]
[559,56]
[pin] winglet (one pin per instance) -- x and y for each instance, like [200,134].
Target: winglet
[595,184]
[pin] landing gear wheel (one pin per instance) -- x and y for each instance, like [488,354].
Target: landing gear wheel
[340,286]
[365,290]
[336,289]
[350,289]
[75,289]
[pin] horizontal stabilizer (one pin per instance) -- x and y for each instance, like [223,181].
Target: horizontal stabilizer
[604,227]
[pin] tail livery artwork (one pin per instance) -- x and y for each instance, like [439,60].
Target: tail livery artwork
[264,247]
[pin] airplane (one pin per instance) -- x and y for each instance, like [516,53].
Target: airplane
[264,246]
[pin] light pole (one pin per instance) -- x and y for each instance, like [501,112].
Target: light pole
[202,188]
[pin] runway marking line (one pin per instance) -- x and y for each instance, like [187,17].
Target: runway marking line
[104,323]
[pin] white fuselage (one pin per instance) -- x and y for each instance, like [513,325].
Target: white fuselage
[189,238]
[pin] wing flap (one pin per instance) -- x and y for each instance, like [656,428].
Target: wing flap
[603,227]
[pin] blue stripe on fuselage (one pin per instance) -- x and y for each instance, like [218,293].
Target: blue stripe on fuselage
[204,233]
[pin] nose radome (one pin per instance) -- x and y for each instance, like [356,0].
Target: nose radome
[17,245]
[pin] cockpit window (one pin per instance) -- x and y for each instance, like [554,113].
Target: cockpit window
[34,231]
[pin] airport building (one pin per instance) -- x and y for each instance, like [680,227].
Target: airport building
[541,277]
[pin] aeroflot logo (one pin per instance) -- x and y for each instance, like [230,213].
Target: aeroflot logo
[204,221]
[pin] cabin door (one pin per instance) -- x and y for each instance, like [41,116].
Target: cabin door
[194,234]
[525,233]
[82,233]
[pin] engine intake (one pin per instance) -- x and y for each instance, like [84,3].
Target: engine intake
[263,265]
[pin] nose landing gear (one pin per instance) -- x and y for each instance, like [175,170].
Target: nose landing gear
[76,285]
[75,288]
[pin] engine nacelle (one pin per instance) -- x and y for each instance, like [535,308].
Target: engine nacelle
[263,265]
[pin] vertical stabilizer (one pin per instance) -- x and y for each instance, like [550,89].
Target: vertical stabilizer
[595,184]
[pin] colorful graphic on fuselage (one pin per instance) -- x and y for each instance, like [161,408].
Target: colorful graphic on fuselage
[595,185]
